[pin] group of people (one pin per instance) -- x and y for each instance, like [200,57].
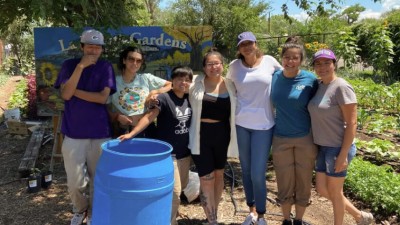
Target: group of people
[261,105]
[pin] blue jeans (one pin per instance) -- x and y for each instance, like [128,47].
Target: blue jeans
[254,149]
[326,159]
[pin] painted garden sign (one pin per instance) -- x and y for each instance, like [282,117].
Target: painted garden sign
[165,48]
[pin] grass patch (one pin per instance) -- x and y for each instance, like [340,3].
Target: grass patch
[3,79]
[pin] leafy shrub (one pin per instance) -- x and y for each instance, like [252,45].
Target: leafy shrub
[19,98]
[31,80]
[381,149]
[313,47]
[378,186]
[3,78]
[24,97]
[378,97]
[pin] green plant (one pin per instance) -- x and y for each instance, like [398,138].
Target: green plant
[20,36]
[19,98]
[362,118]
[373,96]
[379,148]
[381,49]
[381,123]
[3,78]
[35,172]
[313,47]
[378,186]
[31,86]
[346,47]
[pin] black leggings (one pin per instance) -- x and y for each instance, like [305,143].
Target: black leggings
[214,142]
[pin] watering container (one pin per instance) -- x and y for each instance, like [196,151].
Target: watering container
[133,183]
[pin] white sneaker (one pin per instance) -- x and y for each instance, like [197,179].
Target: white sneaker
[78,218]
[366,218]
[250,219]
[261,221]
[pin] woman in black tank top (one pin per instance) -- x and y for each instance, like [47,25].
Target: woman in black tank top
[211,100]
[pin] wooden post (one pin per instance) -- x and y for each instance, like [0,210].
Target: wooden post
[1,53]
[58,139]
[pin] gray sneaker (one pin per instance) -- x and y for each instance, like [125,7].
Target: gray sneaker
[78,218]
[261,221]
[366,218]
[88,221]
[250,219]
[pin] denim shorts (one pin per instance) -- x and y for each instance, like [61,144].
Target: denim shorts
[326,160]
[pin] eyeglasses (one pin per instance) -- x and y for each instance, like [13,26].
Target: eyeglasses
[134,60]
[209,65]
[293,58]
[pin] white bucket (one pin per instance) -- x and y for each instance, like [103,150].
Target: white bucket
[12,115]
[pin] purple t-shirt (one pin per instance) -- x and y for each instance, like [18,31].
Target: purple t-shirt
[83,119]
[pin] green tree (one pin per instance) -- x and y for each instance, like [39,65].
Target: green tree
[377,47]
[280,26]
[345,46]
[19,35]
[393,19]
[314,7]
[381,50]
[72,13]
[322,29]
[352,13]
[279,29]
[363,30]
[152,9]
[19,17]
[227,17]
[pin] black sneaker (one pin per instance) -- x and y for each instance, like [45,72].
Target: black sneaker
[287,222]
[297,222]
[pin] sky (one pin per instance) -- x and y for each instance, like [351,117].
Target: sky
[373,10]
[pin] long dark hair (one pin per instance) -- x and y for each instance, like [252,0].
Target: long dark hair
[124,55]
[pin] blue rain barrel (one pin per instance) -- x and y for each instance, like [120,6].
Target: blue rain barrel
[133,183]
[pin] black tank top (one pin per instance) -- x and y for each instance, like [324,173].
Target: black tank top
[216,107]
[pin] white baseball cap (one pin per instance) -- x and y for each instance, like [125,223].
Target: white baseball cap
[93,37]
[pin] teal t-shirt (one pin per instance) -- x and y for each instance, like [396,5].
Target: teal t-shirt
[290,97]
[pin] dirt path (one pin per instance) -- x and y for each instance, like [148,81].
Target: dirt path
[52,206]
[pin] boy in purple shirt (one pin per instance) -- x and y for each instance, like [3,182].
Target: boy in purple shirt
[85,85]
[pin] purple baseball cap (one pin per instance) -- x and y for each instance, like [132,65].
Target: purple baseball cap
[246,36]
[92,37]
[324,53]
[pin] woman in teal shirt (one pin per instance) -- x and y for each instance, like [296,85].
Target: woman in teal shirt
[293,149]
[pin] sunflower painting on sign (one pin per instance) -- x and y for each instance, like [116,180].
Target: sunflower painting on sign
[164,47]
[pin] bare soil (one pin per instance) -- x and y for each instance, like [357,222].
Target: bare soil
[52,206]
